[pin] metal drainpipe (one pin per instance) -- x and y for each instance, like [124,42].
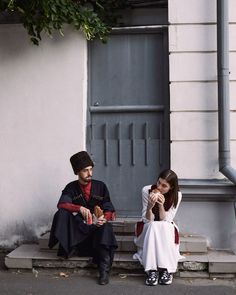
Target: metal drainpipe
[223,90]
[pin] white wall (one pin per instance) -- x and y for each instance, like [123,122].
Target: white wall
[213,220]
[194,121]
[43,115]
[193,88]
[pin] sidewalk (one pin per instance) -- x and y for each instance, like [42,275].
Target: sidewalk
[48,283]
[83,282]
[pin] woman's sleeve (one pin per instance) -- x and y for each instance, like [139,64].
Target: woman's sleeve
[145,196]
[170,214]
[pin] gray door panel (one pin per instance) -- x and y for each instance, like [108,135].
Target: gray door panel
[128,120]
[127,70]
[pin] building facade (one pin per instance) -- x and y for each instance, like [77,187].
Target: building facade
[48,100]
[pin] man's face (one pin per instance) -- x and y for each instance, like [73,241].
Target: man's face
[85,175]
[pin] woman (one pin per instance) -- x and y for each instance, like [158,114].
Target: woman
[157,235]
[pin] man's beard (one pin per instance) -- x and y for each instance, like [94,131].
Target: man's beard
[87,179]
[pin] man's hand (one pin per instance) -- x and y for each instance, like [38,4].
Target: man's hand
[86,214]
[100,221]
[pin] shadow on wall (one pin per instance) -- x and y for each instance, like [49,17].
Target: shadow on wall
[20,232]
[15,40]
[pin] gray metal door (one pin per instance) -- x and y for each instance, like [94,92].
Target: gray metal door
[128,119]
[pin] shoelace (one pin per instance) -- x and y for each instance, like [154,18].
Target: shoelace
[152,275]
[165,275]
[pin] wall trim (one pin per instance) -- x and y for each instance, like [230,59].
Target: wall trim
[213,190]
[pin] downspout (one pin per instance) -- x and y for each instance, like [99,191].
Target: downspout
[223,90]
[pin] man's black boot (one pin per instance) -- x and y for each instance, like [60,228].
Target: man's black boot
[104,266]
[103,278]
[61,252]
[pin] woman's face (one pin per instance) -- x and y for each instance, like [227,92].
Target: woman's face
[163,186]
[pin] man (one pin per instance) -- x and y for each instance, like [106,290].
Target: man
[72,224]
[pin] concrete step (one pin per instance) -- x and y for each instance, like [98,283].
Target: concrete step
[125,243]
[212,264]
[191,244]
[125,226]
[30,256]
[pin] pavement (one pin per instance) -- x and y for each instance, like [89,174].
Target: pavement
[84,282]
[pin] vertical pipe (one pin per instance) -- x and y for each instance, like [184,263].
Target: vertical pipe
[223,80]
[223,90]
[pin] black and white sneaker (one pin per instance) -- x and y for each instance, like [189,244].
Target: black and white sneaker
[152,278]
[165,278]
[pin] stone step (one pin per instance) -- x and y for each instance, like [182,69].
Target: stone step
[125,243]
[211,264]
[125,226]
[191,244]
[28,256]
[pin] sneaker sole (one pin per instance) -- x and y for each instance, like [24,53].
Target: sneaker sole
[167,283]
[153,284]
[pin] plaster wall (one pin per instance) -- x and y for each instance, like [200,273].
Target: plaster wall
[194,118]
[43,115]
[193,87]
[213,220]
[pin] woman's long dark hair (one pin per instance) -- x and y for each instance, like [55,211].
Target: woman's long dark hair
[171,177]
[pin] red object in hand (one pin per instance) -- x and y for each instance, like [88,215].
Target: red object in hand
[90,219]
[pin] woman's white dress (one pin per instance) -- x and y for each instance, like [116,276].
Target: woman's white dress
[156,245]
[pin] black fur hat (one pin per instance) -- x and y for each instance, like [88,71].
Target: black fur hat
[80,161]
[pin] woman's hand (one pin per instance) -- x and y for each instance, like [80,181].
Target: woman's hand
[160,199]
[153,197]
[160,202]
